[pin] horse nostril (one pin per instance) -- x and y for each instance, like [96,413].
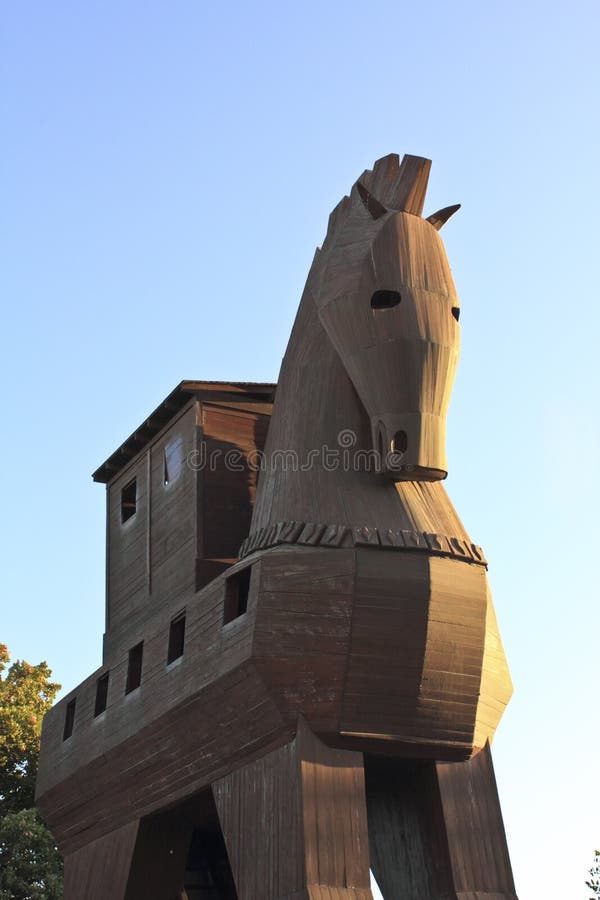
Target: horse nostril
[456,312]
[400,442]
[385,299]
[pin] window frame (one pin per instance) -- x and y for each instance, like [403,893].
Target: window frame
[128,507]
[135,665]
[176,641]
[236,595]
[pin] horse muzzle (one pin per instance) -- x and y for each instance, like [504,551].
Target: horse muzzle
[411,446]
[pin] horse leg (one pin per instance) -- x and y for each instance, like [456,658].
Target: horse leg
[436,831]
[474,830]
[143,860]
[100,869]
[295,823]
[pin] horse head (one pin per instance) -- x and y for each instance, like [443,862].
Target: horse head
[387,300]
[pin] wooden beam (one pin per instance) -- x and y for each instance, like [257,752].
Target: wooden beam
[101,869]
[295,823]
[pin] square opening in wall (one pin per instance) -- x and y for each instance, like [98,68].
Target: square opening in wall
[129,500]
[134,668]
[237,588]
[69,719]
[172,460]
[176,638]
[101,694]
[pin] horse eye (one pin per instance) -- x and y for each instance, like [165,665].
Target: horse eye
[456,312]
[385,299]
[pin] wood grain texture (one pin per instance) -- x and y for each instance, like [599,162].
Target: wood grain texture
[302,632]
[496,684]
[472,820]
[409,856]
[100,870]
[173,757]
[436,830]
[295,823]
[423,621]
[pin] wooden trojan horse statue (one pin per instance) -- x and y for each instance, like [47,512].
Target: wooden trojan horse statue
[379,630]
[341,718]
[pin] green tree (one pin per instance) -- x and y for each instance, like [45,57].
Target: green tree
[30,864]
[594,882]
[26,693]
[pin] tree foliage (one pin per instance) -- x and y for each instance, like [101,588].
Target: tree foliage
[594,882]
[26,693]
[30,864]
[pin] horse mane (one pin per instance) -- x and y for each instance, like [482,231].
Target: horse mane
[391,184]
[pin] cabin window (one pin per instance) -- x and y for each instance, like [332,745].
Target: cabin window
[172,460]
[134,668]
[400,442]
[176,638]
[237,588]
[69,719]
[101,694]
[129,500]
[385,299]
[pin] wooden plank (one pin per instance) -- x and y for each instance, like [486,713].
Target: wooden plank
[295,823]
[101,868]
[408,854]
[474,830]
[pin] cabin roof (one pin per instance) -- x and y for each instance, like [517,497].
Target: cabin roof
[244,391]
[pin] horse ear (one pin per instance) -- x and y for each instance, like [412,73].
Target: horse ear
[376,209]
[440,217]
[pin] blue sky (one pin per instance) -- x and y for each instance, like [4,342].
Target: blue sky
[168,170]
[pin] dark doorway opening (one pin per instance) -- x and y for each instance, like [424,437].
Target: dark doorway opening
[208,874]
[180,853]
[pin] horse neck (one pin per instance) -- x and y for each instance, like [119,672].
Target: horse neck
[315,401]
[317,411]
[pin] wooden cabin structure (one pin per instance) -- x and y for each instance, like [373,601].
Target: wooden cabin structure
[302,670]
